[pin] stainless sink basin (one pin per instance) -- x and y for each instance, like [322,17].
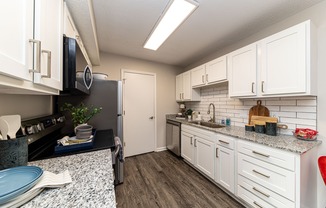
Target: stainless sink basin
[207,124]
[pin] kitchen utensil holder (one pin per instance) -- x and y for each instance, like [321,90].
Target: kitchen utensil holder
[13,152]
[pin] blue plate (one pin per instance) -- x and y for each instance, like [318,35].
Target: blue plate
[17,180]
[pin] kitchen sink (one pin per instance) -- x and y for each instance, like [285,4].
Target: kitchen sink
[207,124]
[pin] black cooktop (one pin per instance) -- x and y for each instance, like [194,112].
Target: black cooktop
[104,139]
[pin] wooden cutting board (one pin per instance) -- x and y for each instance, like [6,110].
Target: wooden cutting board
[258,110]
[261,120]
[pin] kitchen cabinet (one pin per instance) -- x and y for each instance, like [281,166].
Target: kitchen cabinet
[197,147]
[31,50]
[242,66]
[212,72]
[274,177]
[285,60]
[48,30]
[184,92]
[282,64]
[224,162]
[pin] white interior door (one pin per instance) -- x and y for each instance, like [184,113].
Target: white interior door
[139,112]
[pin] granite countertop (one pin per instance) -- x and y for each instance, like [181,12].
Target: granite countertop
[92,181]
[284,142]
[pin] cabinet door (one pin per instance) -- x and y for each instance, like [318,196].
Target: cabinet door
[48,29]
[284,61]
[216,70]
[198,76]
[187,148]
[224,167]
[178,87]
[16,52]
[242,70]
[204,152]
[69,25]
[186,86]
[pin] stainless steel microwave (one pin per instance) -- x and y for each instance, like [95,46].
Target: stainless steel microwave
[77,73]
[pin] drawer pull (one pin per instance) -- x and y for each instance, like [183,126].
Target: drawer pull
[195,143]
[255,189]
[261,154]
[223,141]
[191,140]
[258,205]
[262,174]
[216,152]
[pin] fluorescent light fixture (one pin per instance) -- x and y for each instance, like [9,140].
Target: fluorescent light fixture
[177,11]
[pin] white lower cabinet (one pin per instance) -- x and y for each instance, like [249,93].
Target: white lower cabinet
[256,174]
[197,147]
[204,152]
[224,162]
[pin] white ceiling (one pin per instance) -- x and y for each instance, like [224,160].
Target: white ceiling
[124,25]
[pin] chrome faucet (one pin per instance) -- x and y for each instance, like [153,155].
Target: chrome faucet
[208,112]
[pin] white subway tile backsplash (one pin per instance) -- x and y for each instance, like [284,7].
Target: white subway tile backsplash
[281,102]
[311,109]
[307,102]
[307,115]
[292,111]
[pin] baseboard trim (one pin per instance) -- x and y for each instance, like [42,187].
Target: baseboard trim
[160,149]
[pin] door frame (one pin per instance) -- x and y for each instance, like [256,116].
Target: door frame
[123,71]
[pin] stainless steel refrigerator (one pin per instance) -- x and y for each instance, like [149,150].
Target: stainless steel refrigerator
[108,95]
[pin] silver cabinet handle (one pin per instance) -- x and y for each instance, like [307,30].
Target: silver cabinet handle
[202,79]
[206,77]
[259,191]
[191,140]
[183,96]
[195,143]
[252,87]
[258,205]
[262,86]
[262,174]
[180,96]
[152,117]
[38,56]
[48,75]
[216,152]
[223,141]
[261,154]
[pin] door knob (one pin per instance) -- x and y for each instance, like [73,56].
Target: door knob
[152,117]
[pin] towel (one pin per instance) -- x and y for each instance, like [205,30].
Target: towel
[118,149]
[48,180]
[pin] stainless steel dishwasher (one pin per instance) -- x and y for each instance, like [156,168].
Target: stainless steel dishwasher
[173,136]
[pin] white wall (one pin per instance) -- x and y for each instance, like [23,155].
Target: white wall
[317,14]
[28,106]
[165,79]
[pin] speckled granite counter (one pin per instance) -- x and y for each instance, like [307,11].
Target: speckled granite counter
[92,181]
[285,142]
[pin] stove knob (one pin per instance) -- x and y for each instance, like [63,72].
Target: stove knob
[29,130]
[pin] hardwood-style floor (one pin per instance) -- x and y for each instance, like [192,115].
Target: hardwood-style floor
[160,179]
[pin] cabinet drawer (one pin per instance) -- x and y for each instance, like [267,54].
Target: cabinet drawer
[272,177]
[265,194]
[225,141]
[267,154]
[252,199]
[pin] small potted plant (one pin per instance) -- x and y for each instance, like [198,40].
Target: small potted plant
[189,113]
[80,114]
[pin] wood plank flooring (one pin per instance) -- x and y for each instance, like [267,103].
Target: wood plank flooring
[160,179]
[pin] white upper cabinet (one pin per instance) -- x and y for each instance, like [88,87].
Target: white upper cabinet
[16,24]
[31,47]
[242,65]
[285,60]
[48,30]
[184,91]
[212,72]
[69,28]
[198,76]
[282,64]
[216,70]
